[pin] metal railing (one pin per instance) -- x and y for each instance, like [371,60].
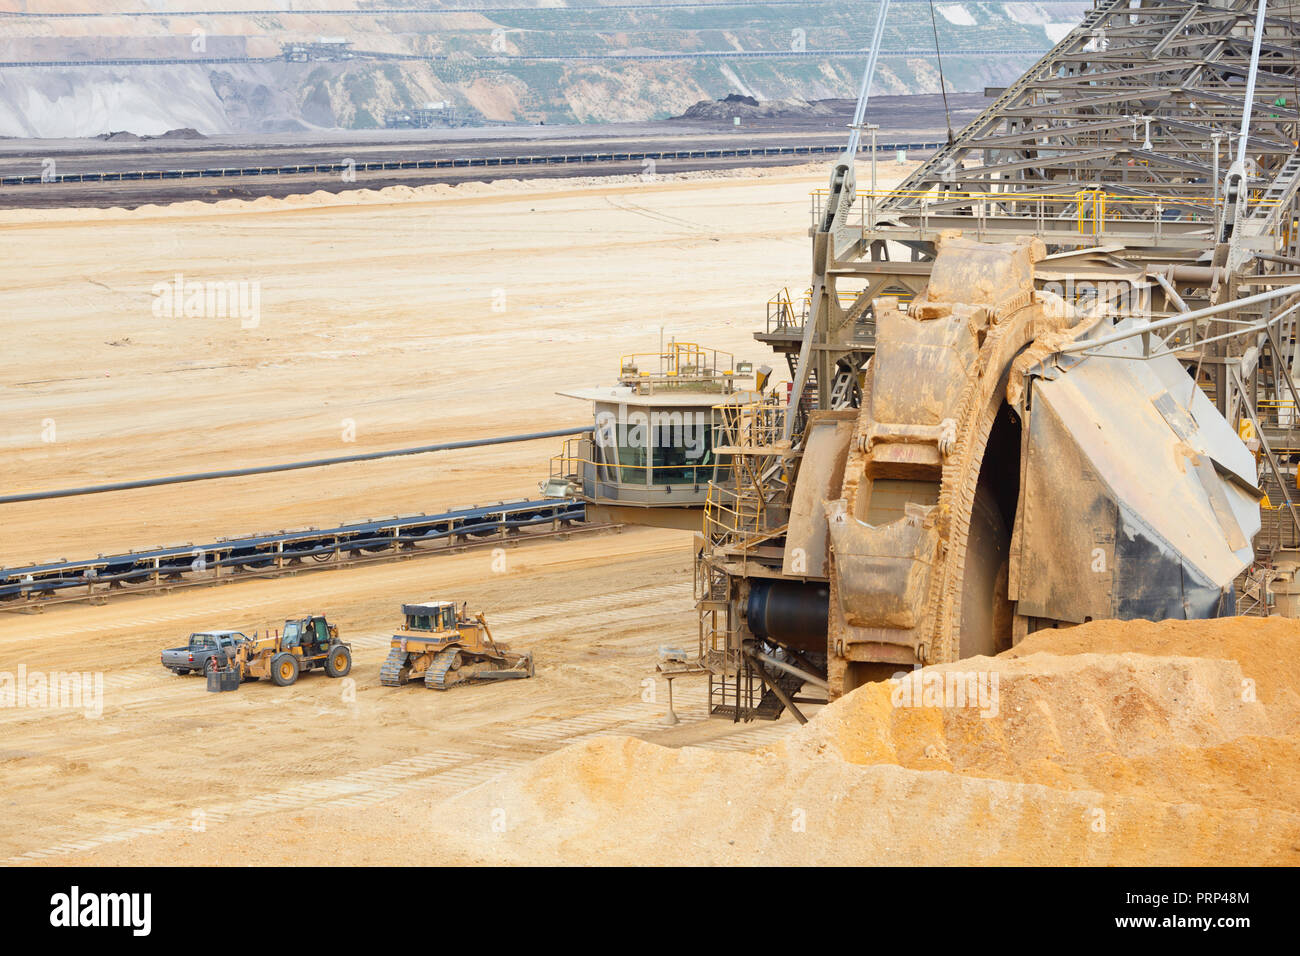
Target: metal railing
[683,364]
[786,315]
[748,445]
[781,314]
[1090,212]
[1277,413]
[730,516]
[579,463]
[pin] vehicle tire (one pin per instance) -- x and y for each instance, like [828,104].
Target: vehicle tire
[284,669]
[339,661]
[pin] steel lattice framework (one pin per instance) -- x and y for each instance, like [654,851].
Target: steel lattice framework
[1140,99]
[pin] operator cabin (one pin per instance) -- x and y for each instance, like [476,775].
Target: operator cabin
[650,455]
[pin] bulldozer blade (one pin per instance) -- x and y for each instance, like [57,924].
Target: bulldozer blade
[501,675]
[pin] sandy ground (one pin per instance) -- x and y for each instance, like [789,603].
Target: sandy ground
[165,755]
[401,318]
[1087,753]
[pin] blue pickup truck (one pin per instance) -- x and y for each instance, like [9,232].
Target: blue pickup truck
[205,651]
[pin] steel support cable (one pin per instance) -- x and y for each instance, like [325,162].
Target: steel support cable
[1250,83]
[1295,87]
[868,72]
[943,86]
[850,156]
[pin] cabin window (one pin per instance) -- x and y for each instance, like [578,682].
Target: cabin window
[683,452]
[632,454]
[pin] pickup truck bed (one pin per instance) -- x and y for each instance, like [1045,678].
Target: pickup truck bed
[207,648]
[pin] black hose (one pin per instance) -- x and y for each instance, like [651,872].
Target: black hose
[290,466]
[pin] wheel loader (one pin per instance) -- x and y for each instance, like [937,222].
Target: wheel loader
[304,643]
[446,647]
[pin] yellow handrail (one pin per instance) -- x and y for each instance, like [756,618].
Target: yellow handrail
[679,356]
[1011,195]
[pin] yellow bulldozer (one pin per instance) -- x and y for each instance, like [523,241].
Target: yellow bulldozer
[303,644]
[447,647]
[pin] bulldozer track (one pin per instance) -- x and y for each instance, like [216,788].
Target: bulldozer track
[435,677]
[390,675]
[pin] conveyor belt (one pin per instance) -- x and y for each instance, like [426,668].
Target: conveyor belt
[288,551]
[458,162]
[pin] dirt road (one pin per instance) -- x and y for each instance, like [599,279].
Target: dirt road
[166,759]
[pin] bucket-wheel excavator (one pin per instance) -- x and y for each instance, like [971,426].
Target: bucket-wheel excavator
[989,485]
[992,486]
[1061,354]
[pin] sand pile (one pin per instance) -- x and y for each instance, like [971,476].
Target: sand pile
[1112,743]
